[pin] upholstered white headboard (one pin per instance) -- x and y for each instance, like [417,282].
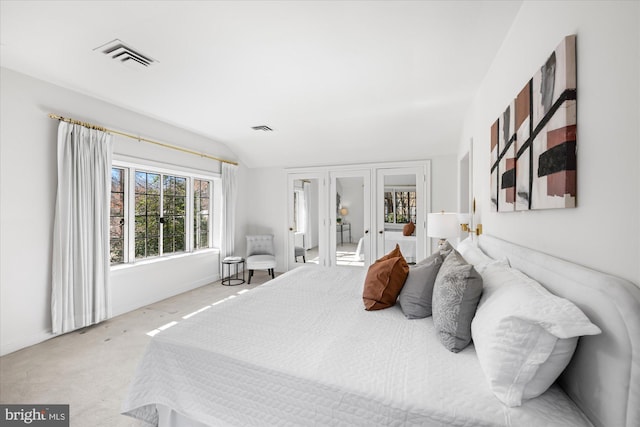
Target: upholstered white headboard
[603,377]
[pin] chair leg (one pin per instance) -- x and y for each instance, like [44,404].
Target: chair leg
[304,259]
[250,275]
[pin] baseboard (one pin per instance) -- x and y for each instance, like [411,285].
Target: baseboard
[24,342]
[134,305]
[28,341]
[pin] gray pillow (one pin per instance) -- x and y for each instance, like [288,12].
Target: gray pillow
[456,293]
[445,249]
[416,295]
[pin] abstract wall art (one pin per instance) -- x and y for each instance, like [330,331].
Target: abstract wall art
[533,142]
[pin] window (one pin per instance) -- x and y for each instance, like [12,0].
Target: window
[399,206]
[174,202]
[169,214]
[201,213]
[117,215]
[147,214]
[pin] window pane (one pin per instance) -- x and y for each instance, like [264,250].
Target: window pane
[117,251]
[141,227]
[179,204]
[168,208]
[153,226]
[389,207]
[200,213]
[117,177]
[153,205]
[179,243]
[116,229]
[117,204]
[167,229]
[167,244]
[117,213]
[204,187]
[402,207]
[153,183]
[141,204]
[179,225]
[147,210]
[141,182]
[140,248]
[153,246]
[168,185]
[180,186]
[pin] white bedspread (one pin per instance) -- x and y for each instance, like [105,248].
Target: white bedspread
[407,244]
[301,350]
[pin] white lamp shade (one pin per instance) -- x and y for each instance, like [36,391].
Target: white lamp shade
[442,225]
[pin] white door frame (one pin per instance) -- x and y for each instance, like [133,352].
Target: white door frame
[423,205]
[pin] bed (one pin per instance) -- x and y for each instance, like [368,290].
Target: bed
[301,350]
[407,244]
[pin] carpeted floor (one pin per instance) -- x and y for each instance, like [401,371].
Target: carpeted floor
[90,369]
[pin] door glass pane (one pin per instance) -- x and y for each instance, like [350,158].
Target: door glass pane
[350,226]
[305,221]
[400,209]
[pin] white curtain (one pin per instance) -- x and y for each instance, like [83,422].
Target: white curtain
[80,266]
[305,216]
[229,194]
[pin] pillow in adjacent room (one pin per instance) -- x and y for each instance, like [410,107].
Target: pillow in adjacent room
[524,336]
[384,280]
[456,292]
[408,229]
[416,294]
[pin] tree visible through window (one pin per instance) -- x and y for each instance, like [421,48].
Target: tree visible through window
[399,207]
[147,214]
[173,214]
[156,221]
[117,216]
[201,214]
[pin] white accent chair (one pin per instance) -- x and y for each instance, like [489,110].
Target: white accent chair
[300,251]
[260,254]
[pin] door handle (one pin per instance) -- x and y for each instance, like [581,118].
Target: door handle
[290,228]
[366,231]
[380,232]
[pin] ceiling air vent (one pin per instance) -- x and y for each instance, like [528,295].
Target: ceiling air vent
[127,55]
[262,127]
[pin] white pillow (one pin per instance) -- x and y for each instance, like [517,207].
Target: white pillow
[475,256]
[524,336]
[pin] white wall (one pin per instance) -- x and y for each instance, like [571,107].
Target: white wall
[603,231]
[262,208]
[28,190]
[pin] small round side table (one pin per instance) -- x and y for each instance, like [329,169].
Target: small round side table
[234,280]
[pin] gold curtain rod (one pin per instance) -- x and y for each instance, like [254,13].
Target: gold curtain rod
[128,135]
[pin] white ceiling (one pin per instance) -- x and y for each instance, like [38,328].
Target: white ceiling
[338,81]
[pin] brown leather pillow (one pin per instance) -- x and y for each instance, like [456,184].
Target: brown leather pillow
[408,229]
[384,280]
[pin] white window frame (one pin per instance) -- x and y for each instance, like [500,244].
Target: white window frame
[397,189]
[130,168]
